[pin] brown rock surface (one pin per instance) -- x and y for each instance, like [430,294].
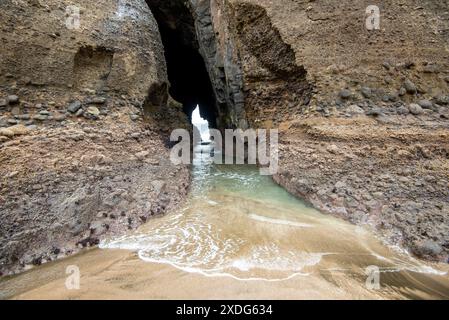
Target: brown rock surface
[68,180]
[76,151]
[342,94]
[390,177]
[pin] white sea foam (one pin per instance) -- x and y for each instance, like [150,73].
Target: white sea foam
[279,221]
[220,271]
[406,262]
[195,241]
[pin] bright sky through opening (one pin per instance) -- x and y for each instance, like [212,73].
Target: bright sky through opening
[201,124]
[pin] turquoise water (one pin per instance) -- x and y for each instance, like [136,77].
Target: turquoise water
[240,224]
[240,229]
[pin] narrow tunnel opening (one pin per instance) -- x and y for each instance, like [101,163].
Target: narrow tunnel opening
[202,125]
[187,73]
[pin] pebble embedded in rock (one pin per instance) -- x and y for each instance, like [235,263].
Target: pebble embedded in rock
[425,104]
[3,122]
[98,100]
[410,87]
[403,110]
[345,94]
[394,97]
[415,109]
[79,113]
[98,228]
[442,100]
[340,185]
[92,112]
[354,109]
[7,133]
[367,92]
[431,68]
[142,155]
[74,107]
[40,117]
[60,117]
[404,179]
[13,99]
[3,103]
[402,92]
[15,111]
[23,117]
[378,195]
[375,112]
[332,149]
[427,248]
[16,130]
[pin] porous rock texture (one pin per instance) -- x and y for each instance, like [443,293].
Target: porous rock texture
[363,114]
[85,113]
[84,122]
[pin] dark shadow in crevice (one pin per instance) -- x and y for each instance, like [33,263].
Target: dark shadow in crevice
[187,73]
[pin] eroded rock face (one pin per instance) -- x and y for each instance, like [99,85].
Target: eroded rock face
[270,61]
[76,152]
[341,95]
[65,186]
[116,48]
[275,85]
[331,42]
[84,120]
[254,74]
[221,56]
[384,177]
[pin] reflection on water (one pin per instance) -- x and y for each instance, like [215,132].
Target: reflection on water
[240,224]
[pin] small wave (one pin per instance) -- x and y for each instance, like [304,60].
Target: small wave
[279,221]
[417,268]
[218,272]
[420,269]
[407,263]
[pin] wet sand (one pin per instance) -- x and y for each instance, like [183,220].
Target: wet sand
[240,236]
[120,274]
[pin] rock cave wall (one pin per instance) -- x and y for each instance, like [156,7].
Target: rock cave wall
[117,48]
[264,63]
[78,159]
[271,62]
[253,72]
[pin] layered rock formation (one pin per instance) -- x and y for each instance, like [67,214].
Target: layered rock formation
[363,114]
[84,119]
